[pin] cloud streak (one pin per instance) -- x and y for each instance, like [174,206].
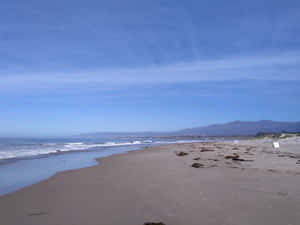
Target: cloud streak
[260,67]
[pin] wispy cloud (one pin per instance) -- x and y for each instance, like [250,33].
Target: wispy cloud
[284,66]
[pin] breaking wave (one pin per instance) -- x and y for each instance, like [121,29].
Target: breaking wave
[52,148]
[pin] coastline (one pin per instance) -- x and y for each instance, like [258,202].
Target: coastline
[38,169]
[156,184]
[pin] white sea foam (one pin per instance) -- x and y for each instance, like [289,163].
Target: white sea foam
[49,148]
[24,153]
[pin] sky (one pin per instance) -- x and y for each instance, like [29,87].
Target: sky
[69,67]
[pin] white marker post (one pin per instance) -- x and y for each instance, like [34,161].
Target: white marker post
[275,144]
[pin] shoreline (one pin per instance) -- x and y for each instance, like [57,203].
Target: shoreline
[55,163]
[89,162]
[155,184]
[98,160]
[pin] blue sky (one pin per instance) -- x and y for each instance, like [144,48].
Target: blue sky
[81,66]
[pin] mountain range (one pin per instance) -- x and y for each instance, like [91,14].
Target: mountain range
[235,128]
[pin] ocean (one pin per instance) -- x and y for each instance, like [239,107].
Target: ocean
[25,161]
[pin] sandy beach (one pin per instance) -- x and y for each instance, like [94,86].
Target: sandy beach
[221,183]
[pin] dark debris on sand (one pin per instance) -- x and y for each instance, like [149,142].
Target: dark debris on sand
[206,150]
[197,165]
[236,157]
[233,157]
[181,153]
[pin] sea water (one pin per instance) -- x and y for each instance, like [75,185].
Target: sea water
[24,162]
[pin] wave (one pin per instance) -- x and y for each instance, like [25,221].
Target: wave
[52,148]
[81,146]
[12,152]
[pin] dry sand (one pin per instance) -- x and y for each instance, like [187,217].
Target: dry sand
[255,185]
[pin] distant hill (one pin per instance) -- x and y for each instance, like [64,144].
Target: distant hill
[243,128]
[235,128]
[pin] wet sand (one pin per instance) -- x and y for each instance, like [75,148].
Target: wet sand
[247,183]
